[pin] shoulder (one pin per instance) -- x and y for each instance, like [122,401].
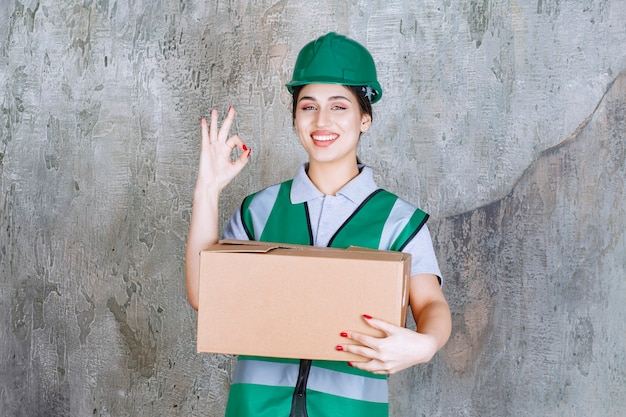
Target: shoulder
[267,192]
[403,208]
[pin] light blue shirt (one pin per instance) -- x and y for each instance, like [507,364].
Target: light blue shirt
[328,212]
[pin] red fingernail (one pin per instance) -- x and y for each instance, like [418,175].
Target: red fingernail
[344,334]
[339,347]
[349,363]
[368,317]
[244,147]
[230,108]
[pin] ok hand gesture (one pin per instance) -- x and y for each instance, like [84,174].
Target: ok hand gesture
[216,167]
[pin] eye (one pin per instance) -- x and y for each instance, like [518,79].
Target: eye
[307,107]
[338,107]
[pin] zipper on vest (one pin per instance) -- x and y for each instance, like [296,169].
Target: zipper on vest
[298,401]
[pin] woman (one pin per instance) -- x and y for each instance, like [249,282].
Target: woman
[333,87]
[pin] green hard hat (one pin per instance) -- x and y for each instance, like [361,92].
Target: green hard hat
[336,59]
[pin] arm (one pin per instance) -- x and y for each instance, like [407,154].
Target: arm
[215,171]
[401,347]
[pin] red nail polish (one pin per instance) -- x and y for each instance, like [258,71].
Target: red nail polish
[368,317]
[339,347]
[349,363]
[244,147]
[344,334]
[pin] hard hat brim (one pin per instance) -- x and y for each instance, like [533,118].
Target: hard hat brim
[375,86]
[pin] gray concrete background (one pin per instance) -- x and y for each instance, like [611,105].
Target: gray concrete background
[503,119]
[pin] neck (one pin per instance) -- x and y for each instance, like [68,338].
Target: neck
[330,178]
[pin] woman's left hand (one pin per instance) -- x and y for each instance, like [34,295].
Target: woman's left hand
[399,349]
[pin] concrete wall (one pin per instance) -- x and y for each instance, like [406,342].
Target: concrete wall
[503,119]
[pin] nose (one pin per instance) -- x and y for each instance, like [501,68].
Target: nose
[323,117]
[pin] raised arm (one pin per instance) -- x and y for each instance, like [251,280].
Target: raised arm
[216,170]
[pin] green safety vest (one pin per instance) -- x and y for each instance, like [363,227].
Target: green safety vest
[267,387]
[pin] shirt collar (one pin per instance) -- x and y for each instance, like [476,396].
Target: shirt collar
[356,190]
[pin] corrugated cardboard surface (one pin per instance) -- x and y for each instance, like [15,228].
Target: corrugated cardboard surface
[294,301]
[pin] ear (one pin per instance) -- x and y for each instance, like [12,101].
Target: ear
[366,122]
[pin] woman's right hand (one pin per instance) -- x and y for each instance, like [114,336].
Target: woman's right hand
[216,170]
[216,167]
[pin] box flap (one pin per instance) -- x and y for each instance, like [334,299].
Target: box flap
[272,245]
[252,246]
[241,248]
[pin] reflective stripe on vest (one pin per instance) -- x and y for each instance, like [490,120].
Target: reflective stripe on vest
[266,217]
[260,372]
[262,386]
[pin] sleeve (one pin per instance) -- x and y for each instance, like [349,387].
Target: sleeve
[234,228]
[423,258]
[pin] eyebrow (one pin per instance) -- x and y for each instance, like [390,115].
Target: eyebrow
[329,99]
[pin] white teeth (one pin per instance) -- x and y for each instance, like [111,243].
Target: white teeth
[324,138]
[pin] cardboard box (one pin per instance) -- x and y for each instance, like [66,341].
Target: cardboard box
[290,301]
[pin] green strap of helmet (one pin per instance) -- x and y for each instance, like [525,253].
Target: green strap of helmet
[336,59]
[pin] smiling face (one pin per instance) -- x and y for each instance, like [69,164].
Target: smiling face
[329,121]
